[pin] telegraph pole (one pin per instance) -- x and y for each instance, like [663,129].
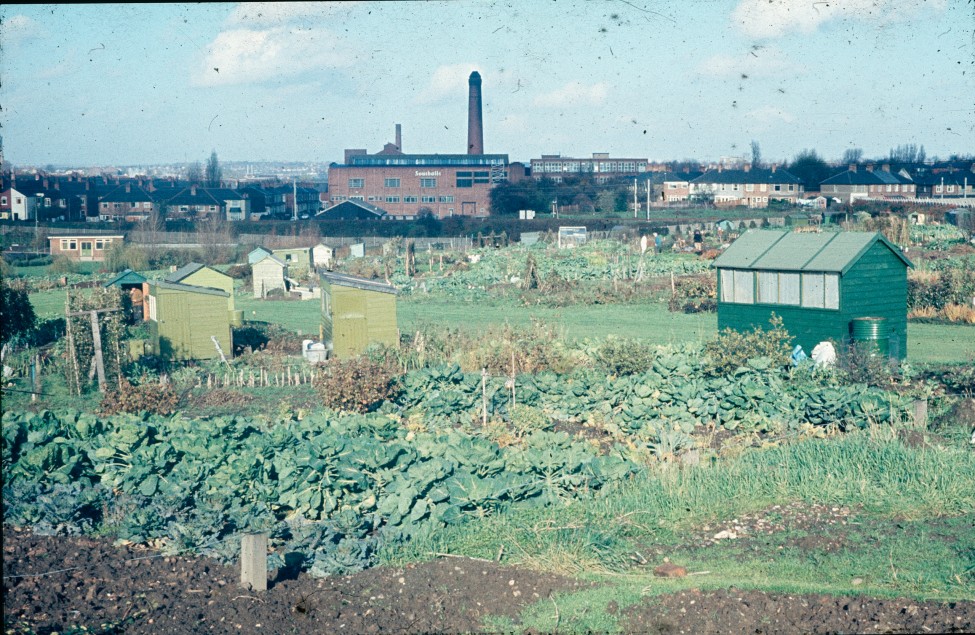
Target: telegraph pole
[636,204]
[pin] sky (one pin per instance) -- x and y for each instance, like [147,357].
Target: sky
[140,84]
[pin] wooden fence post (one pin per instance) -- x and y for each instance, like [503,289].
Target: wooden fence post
[920,413]
[96,338]
[253,562]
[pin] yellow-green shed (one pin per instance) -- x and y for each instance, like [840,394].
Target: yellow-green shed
[186,321]
[357,312]
[200,275]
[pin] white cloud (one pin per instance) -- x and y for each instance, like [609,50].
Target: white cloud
[770,114]
[18,28]
[243,56]
[255,14]
[775,18]
[574,94]
[757,62]
[446,82]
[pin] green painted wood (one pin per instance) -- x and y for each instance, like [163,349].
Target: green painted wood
[874,285]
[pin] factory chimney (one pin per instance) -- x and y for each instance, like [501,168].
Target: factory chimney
[399,137]
[475,127]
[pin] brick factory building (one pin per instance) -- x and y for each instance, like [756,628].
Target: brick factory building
[404,185]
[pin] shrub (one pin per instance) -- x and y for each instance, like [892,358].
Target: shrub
[145,397]
[862,365]
[63,265]
[623,356]
[356,385]
[694,294]
[732,349]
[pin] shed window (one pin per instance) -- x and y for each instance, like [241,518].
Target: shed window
[821,290]
[737,286]
[778,288]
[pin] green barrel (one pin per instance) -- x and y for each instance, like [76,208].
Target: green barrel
[872,332]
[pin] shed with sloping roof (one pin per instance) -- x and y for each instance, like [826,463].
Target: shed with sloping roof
[269,273]
[201,275]
[357,312]
[186,321]
[818,283]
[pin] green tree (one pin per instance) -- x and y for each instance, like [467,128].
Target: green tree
[756,155]
[194,173]
[810,168]
[16,314]
[213,173]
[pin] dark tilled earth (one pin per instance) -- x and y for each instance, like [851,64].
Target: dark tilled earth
[53,583]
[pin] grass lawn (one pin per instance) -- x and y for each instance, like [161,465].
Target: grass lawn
[648,321]
[927,343]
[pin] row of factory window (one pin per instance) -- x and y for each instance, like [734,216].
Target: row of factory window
[464,179]
[586,166]
[397,199]
[808,290]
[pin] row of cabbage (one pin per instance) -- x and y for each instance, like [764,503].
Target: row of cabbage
[677,392]
[330,489]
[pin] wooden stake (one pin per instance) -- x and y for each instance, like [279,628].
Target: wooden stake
[484,396]
[96,337]
[253,562]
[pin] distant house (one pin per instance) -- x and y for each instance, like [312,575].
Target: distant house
[16,205]
[856,184]
[820,284]
[357,312]
[83,248]
[748,186]
[269,273]
[200,275]
[125,203]
[186,321]
[675,187]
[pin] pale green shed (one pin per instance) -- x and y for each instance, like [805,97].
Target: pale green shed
[357,312]
[187,322]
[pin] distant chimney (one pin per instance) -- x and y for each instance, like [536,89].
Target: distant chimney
[399,137]
[37,176]
[192,190]
[475,126]
[45,183]
[870,167]
[128,188]
[885,167]
[773,168]
[853,167]
[748,167]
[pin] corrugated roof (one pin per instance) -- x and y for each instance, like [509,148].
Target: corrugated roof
[359,283]
[189,288]
[776,250]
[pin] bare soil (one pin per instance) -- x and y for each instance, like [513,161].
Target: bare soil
[51,584]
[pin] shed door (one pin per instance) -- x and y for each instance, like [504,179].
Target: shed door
[350,336]
[86,249]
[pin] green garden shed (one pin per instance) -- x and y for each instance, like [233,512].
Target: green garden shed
[836,286]
[357,312]
[184,320]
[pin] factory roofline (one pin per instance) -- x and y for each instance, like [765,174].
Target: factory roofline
[425,160]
